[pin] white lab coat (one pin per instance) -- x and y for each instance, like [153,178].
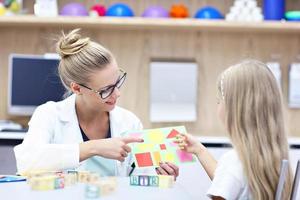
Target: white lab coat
[52,141]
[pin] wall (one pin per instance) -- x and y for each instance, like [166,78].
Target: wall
[213,51]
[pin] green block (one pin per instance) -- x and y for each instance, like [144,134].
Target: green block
[134,180]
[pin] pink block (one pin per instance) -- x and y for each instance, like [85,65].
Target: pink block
[184,157]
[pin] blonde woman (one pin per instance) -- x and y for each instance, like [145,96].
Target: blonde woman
[84,130]
[250,107]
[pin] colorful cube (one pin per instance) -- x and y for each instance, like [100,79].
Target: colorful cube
[144,180]
[166,181]
[134,180]
[153,181]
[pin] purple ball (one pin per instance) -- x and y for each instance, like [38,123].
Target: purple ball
[156,12]
[74,9]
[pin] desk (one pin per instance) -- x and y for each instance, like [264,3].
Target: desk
[21,190]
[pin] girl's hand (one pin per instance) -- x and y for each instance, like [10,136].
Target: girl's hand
[189,144]
[167,168]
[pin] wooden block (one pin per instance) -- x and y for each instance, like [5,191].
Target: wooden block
[153,181]
[70,179]
[107,185]
[43,183]
[166,181]
[59,182]
[143,180]
[83,176]
[93,177]
[134,180]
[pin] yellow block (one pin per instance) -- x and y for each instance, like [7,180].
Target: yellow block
[157,157]
[165,181]
[43,183]
[144,147]
[170,157]
[156,137]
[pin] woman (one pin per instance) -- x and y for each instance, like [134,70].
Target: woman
[84,130]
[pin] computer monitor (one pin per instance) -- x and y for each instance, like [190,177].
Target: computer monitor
[32,81]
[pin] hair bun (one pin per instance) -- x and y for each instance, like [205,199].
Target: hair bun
[71,43]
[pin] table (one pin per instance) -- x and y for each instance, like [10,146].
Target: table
[21,190]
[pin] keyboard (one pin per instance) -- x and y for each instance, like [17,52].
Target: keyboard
[22,130]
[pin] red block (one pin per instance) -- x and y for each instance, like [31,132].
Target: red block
[173,134]
[144,159]
[163,147]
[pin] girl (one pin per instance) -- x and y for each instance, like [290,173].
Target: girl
[250,107]
[84,129]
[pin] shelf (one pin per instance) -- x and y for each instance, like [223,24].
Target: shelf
[138,23]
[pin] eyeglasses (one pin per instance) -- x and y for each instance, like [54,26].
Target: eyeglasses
[108,90]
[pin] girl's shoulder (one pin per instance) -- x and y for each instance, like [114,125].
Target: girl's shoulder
[230,164]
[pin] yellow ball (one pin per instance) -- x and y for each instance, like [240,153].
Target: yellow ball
[14,7]
[2,10]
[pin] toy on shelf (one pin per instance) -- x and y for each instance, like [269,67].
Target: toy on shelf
[274,9]
[292,16]
[208,12]
[74,9]
[98,10]
[119,10]
[45,8]
[156,12]
[161,181]
[179,11]
[10,7]
[245,10]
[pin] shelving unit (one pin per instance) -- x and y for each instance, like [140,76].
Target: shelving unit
[139,23]
[213,45]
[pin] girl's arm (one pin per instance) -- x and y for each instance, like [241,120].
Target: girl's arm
[190,144]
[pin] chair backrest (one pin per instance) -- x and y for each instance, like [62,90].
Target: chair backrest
[282,178]
[295,187]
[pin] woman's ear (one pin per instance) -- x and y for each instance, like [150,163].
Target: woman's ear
[76,89]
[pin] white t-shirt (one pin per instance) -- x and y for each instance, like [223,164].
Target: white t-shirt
[229,180]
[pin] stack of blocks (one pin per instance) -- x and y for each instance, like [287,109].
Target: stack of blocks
[245,10]
[51,180]
[161,181]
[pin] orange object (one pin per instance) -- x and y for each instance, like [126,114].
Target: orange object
[179,11]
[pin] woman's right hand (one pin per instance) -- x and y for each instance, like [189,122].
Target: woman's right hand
[112,148]
[189,144]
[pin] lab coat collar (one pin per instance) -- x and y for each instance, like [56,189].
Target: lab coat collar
[68,113]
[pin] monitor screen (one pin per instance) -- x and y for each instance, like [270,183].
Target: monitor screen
[33,80]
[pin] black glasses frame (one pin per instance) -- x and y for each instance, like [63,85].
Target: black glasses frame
[111,87]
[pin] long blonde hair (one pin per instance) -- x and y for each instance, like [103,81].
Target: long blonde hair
[254,119]
[79,58]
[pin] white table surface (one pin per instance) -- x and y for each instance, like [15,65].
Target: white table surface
[21,190]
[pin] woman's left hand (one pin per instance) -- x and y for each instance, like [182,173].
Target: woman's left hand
[167,168]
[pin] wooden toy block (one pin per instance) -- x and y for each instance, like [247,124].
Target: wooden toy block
[83,176]
[153,181]
[43,183]
[93,177]
[144,180]
[166,181]
[107,185]
[134,180]
[70,179]
[59,182]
